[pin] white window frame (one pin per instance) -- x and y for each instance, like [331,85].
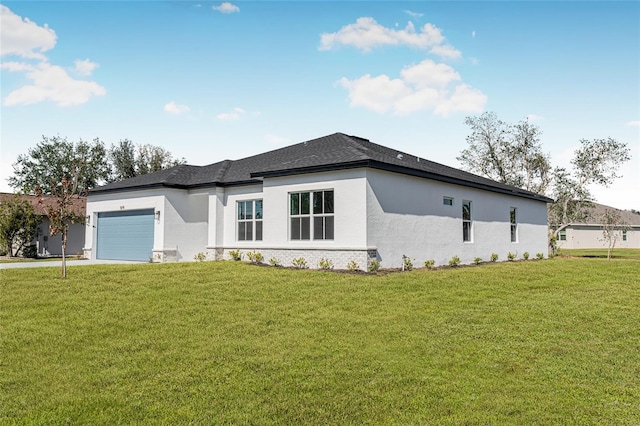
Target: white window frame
[447,201]
[327,217]
[468,222]
[513,223]
[624,235]
[255,222]
[562,235]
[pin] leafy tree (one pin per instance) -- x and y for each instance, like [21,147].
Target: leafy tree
[54,159]
[612,227]
[18,224]
[128,160]
[61,213]
[595,162]
[511,154]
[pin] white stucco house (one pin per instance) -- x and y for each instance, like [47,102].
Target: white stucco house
[587,233]
[338,197]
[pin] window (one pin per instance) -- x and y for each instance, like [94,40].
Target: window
[311,213]
[624,235]
[447,201]
[562,235]
[466,221]
[250,220]
[514,224]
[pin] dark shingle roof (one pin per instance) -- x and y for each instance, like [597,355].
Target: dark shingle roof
[333,152]
[594,216]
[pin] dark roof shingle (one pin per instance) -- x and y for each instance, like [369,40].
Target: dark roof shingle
[332,152]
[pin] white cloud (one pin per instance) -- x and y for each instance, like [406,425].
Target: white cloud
[366,34]
[473,34]
[425,86]
[233,115]
[51,82]
[635,123]
[176,109]
[534,117]
[226,7]
[16,66]
[414,14]
[84,67]
[474,61]
[23,37]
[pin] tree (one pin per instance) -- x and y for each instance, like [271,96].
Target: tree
[511,154]
[18,224]
[61,213]
[128,160]
[84,164]
[612,227]
[595,162]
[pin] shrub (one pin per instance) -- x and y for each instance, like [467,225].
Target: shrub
[407,263]
[539,256]
[353,266]
[477,260]
[200,257]
[30,252]
[454,261]
[255,257]
[511,256]
[235,254]
[525,255]
[494,257]
[325,264]
[429,263]
[274,261]
[374,266]
[299,262]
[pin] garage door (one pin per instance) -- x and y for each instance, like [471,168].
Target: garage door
[125,235]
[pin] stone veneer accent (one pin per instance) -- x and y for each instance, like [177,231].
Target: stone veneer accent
[167,255]
[340,258]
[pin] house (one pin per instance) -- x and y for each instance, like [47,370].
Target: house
[47,245]
[588,232]
[338,197]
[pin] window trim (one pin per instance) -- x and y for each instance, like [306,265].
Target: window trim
[447,201]
[311,216]
[469,221]
[562,235]
[624,235]
[253,221]
[513,224]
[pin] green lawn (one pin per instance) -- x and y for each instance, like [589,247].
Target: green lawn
[537,342]
[618,253]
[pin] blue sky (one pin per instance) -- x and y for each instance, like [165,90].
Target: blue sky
[216,80]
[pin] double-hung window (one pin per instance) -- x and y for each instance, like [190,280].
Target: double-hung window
[624,235]
[514,224]
[562,235]
[311,215]
[250,220]
[466,221]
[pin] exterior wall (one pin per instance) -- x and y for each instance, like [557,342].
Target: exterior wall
[349,242]
[52,246]
[584,236]
[134,200]
[406,216]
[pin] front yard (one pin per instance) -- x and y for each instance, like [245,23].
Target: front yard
[537,342]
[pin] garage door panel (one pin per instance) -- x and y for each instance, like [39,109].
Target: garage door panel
[125,235]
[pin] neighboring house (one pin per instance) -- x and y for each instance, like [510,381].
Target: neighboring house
[46,245]
[337,197]
[588,233]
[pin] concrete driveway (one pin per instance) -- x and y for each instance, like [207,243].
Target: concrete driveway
[56,263]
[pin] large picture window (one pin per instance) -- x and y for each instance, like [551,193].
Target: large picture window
[514,224]
[466,221]
[311,215]
[250,220]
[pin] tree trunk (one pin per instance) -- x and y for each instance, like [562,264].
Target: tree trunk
[64,251]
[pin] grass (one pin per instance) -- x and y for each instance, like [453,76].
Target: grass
[39,259]
[618,253]
[537,342]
